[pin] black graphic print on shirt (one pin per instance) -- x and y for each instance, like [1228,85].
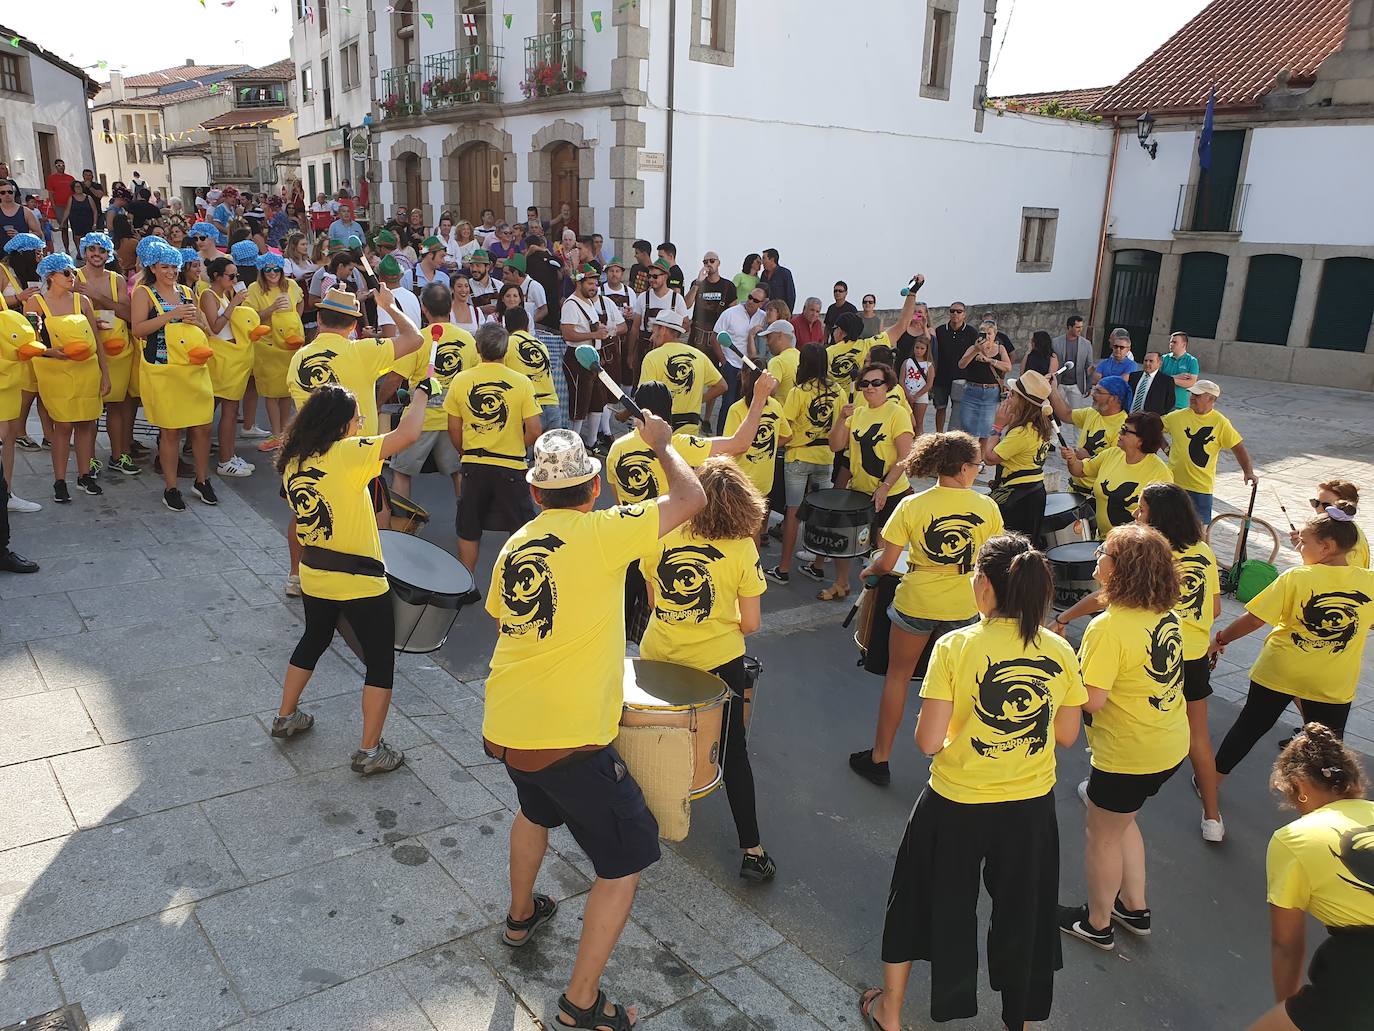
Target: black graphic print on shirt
[682,373]
[820,412]
[1016,477]
[488,404]
[1331,620]
[1192,584]
[315,370]
[868,441]
[634,472]
[448,359]
[1119,501]
[1015,705]
[1094,441]
[532,354]
[1197,445]
[685,589]
[1356,854]
[765,444]
[528,591]
[843,365]
[948,540]
[1164,662]
[314,517]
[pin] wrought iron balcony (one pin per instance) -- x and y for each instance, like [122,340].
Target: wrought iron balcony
[469,76]
[1210,210]
[401,94]
[553,64]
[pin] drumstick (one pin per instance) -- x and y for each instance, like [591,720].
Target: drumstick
[909,287]
[588,358]
[1282,509]
[726,340]
[869,582]
[369,276]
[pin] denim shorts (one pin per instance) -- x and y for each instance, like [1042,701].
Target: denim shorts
[1202,505]
[795,476]
[977,408]
[916,625]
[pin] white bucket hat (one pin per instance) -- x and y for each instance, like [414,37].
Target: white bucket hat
[561,460]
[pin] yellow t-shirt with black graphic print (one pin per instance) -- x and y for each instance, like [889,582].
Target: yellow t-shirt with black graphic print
[942,528]
[527,355]
[557,594]
[1023,452]
[848,356]
[456,352]
[637,474]
[783,368]
[1096,433]
[1000,743]
[329,498]
[1198,583]
[686,372]
[697,584]
[492,402]
[1359,554]
[1321,617]
[873,434]
[354,364]
[1194,443]
[1321,863]
[1137,657]
[758,462]
[812,412]
[1117,485]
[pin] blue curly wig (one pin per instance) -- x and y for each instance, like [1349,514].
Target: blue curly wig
[206,229]
[55,263]
[23,242]
[189,254]
[154,250]
[97,239]
[245,252]
[270,260]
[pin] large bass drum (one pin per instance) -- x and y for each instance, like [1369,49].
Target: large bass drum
[429,587]
[838,522]
[1073,566]
[874,628]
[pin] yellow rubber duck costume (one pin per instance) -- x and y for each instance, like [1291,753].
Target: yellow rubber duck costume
[234,358]
[274,350]
[9,281]
[174,371]
[18,344]
[115,338]
[70,389]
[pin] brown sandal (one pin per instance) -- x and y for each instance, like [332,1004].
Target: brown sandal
[866,1001]
[835,592]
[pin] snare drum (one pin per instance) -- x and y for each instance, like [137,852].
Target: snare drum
[428,589]
[838,523]
[1069,519]
[874,628]
[406,515]
[1073,566]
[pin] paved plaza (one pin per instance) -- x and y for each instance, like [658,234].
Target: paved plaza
[168,866]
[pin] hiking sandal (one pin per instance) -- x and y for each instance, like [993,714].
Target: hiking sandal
[544,909]
[594,1017]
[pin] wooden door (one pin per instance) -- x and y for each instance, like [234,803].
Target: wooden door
[410,177]
[47,145]
[479,182]
[566,187]
[1131,298]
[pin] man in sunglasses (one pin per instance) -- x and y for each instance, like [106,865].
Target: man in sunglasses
[1119,362]
[952,340]
[839,306]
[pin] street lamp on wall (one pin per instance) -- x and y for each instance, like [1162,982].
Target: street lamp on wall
[1144,127]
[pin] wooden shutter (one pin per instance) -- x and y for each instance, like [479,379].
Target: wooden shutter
[1197,301]
[1271,287]
[1345,305]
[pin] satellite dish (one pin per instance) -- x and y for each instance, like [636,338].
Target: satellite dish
[358,143]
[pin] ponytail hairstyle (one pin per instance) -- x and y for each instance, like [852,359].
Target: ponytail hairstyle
[1316,755]
[322,422]
[813,366]
[1171,512]
[942,454]
[1021,578]
[1336,524]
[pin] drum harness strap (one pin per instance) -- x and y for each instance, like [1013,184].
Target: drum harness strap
[341,562]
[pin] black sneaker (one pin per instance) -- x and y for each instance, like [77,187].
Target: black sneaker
[60,494]
[89,484]
[205,492]
[1137,921]
[171,497]
[758,868]
[862,763]
[816,573]
[779,574]
[603,443]
[1073,921]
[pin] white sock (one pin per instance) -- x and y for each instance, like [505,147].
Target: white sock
[606,420]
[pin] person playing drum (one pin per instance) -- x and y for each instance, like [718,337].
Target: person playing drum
[1098,425]
[326,464]
[945,526]
[878,436]
[1018,446]
[555,692]
[705,588]
[1118,474]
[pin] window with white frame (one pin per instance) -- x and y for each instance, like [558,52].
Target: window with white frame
[1036,250]
[713,32]
[938,56]
[349,67]
[307,85]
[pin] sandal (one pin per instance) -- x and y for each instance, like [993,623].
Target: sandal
[594,1017]
[866,1001]
[544,909]
[835,592]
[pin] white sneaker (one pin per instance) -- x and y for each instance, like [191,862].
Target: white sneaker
[806,556]
[293,586]
[18,504]
[1213,830]
[1083,791]
[236,466]
[253,432]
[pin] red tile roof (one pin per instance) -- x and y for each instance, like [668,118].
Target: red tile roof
[1236,46]
[245,116]
[177,73]
[284,70]
[180,96]
[1080,98]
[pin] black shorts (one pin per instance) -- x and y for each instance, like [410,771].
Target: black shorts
[594,794]
[1197,679]
[939,394]
[1125,792]
[1339,994]
[493,498]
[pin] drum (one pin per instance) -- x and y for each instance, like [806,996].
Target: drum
[429,587]
[838,522]
[1073,566]
[406,515]
[670,738]
[874,628]
[1069,519]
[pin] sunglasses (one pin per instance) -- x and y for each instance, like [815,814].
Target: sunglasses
[69,273]
[754,300]
[956,311]
[1317,504]
[840,291]
[231,275]
[869,384]
[1127,429]
[8,193]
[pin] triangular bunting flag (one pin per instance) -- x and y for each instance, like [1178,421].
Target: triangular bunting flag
[596,20]
[429,19]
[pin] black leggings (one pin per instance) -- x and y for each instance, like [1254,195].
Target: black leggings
[739,775]
[373,624]
[1262,710]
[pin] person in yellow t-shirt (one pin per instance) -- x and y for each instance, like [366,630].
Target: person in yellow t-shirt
[555,692]
[1320,865]
[1099,425]
[943,527]
[1197,434]
[1330,493]
[326,465]
[492,418]
[1018,446]
[689,374]
[760,461]
[999,696]
[1321,612]
[781,340]
[705,587]
[1118,474]
[1132,662]
[877,434]
[527,355]
[848,350]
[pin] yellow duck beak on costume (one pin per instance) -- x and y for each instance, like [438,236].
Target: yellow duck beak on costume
[199,355]
[113,346]
[31,350]
[258,332]
[77,350]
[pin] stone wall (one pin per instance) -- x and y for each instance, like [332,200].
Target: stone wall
[1017,320]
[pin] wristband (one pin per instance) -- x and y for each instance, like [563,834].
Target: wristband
[997,429]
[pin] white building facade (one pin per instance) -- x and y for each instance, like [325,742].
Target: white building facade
[43,113]
[335,77]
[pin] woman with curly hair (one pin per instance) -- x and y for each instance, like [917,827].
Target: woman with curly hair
[1318,865]
[1132,661]
[704,587]
[1018,446]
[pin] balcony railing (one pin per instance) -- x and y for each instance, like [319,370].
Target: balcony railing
[1210,210]
[455,77]
[401,94]
[553,64]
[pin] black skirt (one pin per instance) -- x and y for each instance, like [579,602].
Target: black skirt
[1339,995]
[932,906]
[1023,509]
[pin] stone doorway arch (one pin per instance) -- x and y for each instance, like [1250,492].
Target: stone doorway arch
[460,152]
[549,155]
[410,174]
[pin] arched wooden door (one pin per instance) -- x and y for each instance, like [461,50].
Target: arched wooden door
[411,193]
[479,182]
[566,187]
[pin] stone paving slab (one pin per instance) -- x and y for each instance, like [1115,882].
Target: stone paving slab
[33,618]
[27,988]
[33,808]
[18,674]
[70,572]
[370,1003]
[193,558]
[736,924]
[124,652]
[45,539]
[155,974]
[38,725]
[830,1000]
[252,588]
[706,1009]
[455,786]
[761,1001]
[204,595]
[455,739]
[285,938]
[459,991]
[57,890]
[165,771]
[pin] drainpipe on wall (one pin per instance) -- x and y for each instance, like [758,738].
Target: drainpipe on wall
[668,146]
[1106,218]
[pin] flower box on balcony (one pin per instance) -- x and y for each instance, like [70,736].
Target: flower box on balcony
[549,80]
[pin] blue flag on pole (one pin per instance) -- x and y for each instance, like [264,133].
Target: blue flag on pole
[1204,140]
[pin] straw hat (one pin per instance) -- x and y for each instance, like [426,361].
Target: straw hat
[1034,388]
[343,301]
[561,460]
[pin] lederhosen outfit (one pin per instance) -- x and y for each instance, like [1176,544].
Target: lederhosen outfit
[620,371]
[483,294]
[642,345]
[586,393]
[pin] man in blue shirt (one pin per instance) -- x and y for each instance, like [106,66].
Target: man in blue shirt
[1182,366]
[1119,362]
[344,227]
